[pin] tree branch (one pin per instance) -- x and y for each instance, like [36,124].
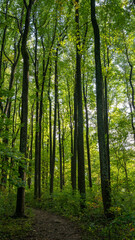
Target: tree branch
[8,58]
[25,4]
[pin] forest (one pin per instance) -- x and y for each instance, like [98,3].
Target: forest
[67,115]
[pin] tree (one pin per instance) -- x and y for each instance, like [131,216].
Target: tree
[24,113]
[130,99]
[52,162]
[100,116]
[55,46]
[87,133]
[78,87]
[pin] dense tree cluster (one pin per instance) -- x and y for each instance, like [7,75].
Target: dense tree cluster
[67,96]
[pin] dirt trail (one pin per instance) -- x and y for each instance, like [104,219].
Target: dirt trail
[48,226]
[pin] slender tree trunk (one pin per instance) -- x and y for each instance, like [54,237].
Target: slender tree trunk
[14,114]
[3,173]
[45,67]
[73,154]
[100,116]
[2,51]
[14,132]
[41,99]
[13,69]
[47,166]
[87,133]
[40,123]
[36,145]
[131,111]
[52,163]
[37,116]
[60,147]
[50,118]
[24,113]
[86,114]
[107,129]
[63,155]
[44,157]
[31,147]
[106,117]
[7,110]
[131,102]
[126,171]
[80,141]
[74,158]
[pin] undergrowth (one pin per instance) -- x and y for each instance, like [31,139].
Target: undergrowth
[11,228]
[92,221]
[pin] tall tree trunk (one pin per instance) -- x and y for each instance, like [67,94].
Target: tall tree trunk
[47,166]
[87,133]
[44,157]
[3,173]
[60,147]
[45,68]
[14,129]
[50,117]
[100,116]
[52,162]
[40,121]
[37,115]
[80,141]
[73,154]
[24,113]
[36,145]
[131,102]
[63,154]
[106,116]
[131,110]
[1,53]
[31,147]
[7,109]
[107,129]
[74,158]
[13,69]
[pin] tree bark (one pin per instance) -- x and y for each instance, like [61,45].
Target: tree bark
[24,113]
[80,142]
[60,147]
[52,163]
[87,133]
[63,154]
[131,102]
[100,116]
[73,154]
[35,62]
[50,117]
[74,158]
[31,147]
[106,116]
[2,51]
[7,109]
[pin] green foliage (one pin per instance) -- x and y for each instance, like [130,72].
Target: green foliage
[11,228]
[116,20]
[10,160]
[91,219]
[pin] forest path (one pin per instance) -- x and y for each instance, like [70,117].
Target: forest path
[49,226]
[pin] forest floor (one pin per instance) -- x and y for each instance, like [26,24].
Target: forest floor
[46,225]
[49,226]
[40,225]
